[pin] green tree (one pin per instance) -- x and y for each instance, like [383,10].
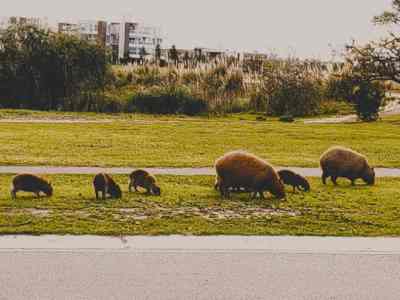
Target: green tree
[44,70]
[379,60]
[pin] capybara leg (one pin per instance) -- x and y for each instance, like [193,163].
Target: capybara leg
[130,186]
[324,176]
[225,192]
[334,180]
[97,194]
[294,189]
[37,194]
[104,194]
[353,181]
[14,194]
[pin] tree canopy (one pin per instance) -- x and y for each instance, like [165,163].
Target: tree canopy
[379,60]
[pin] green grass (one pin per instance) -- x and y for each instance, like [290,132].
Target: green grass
[148,141]
[189,205]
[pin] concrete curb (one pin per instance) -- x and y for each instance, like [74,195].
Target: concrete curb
[272,244]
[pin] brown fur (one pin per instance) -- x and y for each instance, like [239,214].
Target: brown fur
[143,179]
[107,186]
[295,180]
[242,169]
[342,162]
[30,183]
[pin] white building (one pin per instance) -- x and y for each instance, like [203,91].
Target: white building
[41,23]
[143,37]
[130,40]
[68,28]
[93,31]
[89,30]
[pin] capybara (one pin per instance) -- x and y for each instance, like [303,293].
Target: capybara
[107,186]
[341,162]
[143,179]
[30,183]
[245,170]
[295,180]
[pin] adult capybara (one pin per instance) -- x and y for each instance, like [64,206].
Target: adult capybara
[30,183]
[245,170]
[295,180]
[107,186]
[142,178]
[342,162]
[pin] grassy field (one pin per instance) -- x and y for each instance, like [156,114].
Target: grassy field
[189,205]
[151,141]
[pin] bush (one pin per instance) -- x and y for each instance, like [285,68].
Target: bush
[44,70]
[292,87]
[368,97]
[170,100]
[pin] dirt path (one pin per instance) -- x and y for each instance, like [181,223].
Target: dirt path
[392,108]
[309,172]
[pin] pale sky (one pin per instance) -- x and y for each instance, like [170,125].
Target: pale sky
[305,28]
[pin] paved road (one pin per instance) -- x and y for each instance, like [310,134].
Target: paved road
[191,268]
[309,172]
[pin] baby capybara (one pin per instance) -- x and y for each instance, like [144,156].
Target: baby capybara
[342,162]
[30,183]
[107,186]
[245,170]
[295,180]
[143,179]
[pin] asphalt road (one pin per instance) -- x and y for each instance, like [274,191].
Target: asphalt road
[188,268]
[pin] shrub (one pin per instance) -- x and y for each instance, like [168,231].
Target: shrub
[368,97]
[339,86]
[43,70]
[292,87]
[258,101]
[169,100]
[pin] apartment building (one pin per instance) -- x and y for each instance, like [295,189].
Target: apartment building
[68,28]
[89,30]
[93,31]
[143,39]
[132,40]
[113,40]
[41,23]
